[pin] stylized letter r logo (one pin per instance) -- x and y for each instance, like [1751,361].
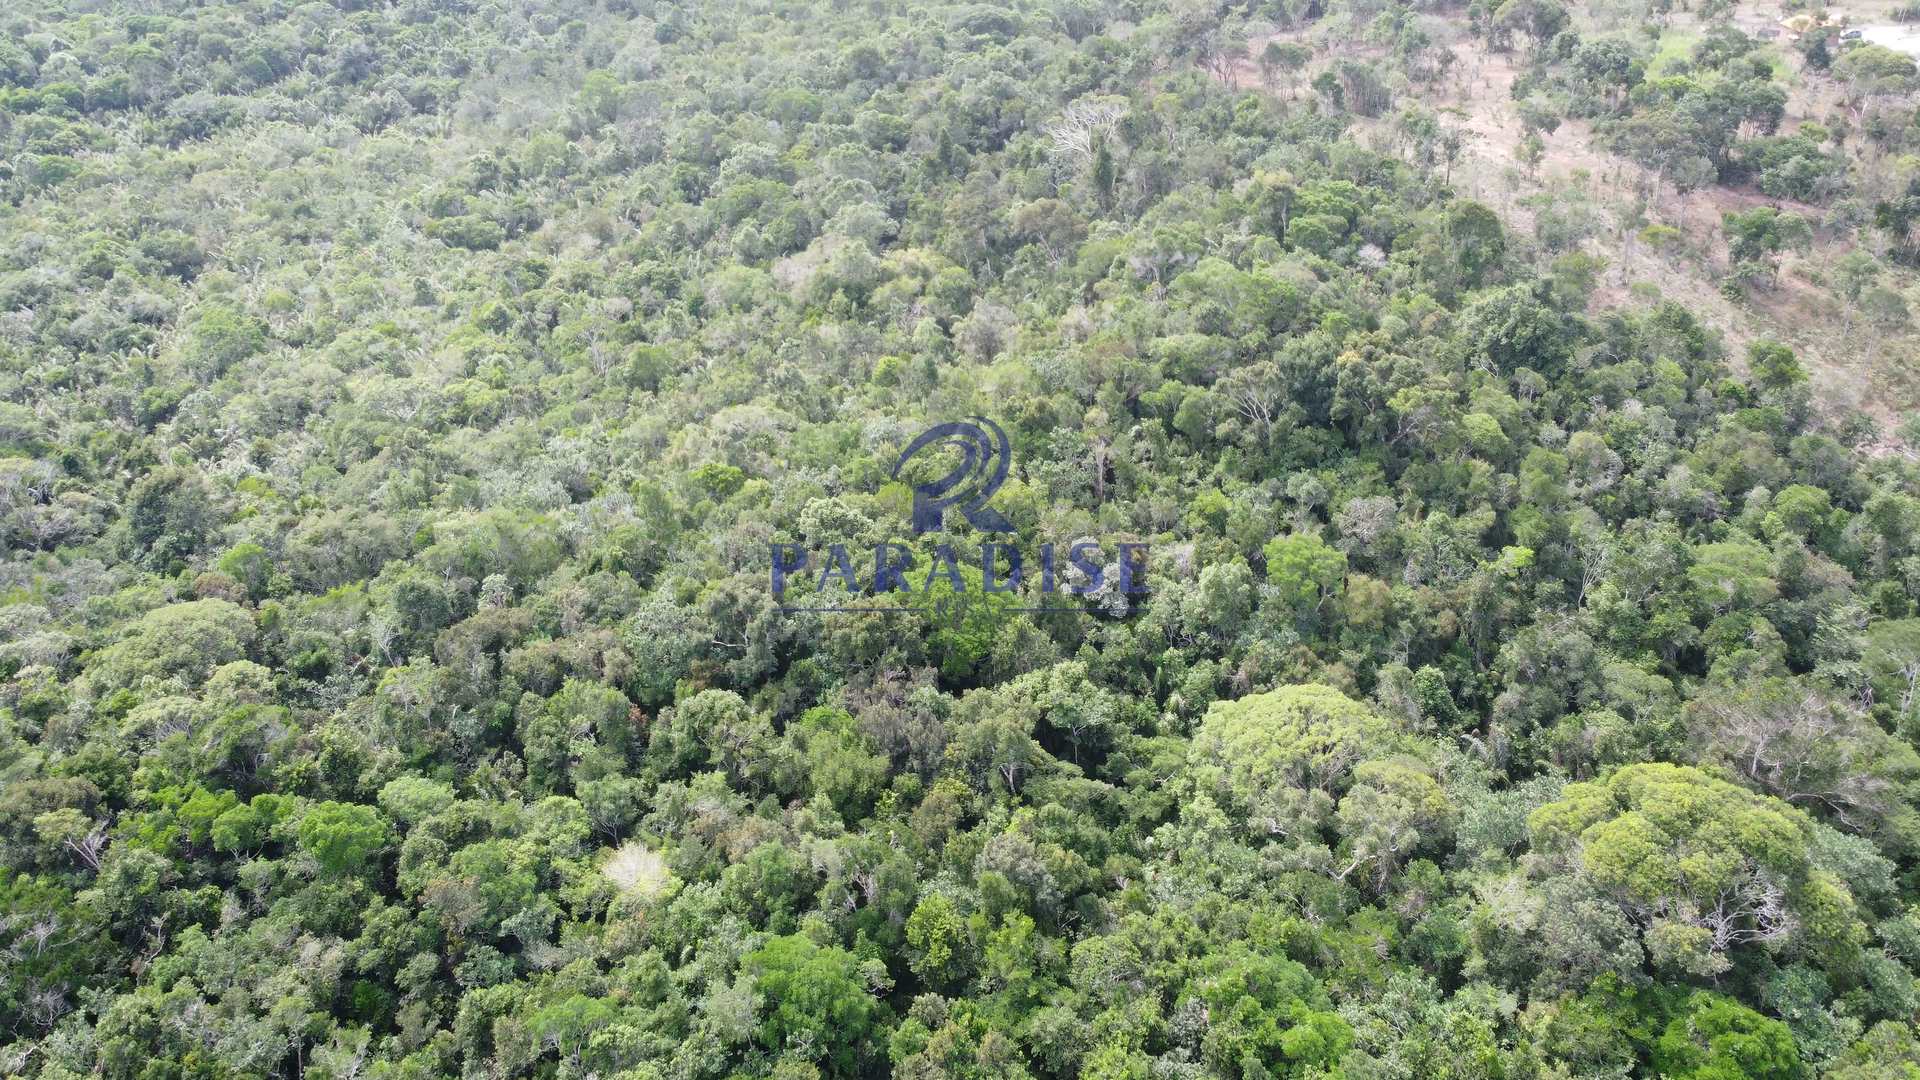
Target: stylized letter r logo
[983,468]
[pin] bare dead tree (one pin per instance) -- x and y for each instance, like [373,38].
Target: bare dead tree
[88,848]
[1798,744]
[1082,126]
[1754,909]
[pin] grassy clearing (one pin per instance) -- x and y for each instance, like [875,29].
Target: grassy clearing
[1676,47]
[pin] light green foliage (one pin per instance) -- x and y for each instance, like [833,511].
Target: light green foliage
[222,337]
[1889,1050]
[412,799]
[1892,660]
[1659,838]
[1731,575]
[1286,754]
[1305,570]
[1875,69]
[812,1000]
[180,642]
[1267,1017]
[1773,365]
[1394,806]
[1715,1038]
[399,403]
[343,837]
[712,729]
[934,934]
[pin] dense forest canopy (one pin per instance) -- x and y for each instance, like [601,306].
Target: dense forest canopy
[399,403]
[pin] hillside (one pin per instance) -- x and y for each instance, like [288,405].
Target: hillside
[1091,538]
[1652,234]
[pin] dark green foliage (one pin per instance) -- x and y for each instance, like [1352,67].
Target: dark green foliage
[399,402]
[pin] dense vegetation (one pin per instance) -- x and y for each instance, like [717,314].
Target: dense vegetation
[398,404]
